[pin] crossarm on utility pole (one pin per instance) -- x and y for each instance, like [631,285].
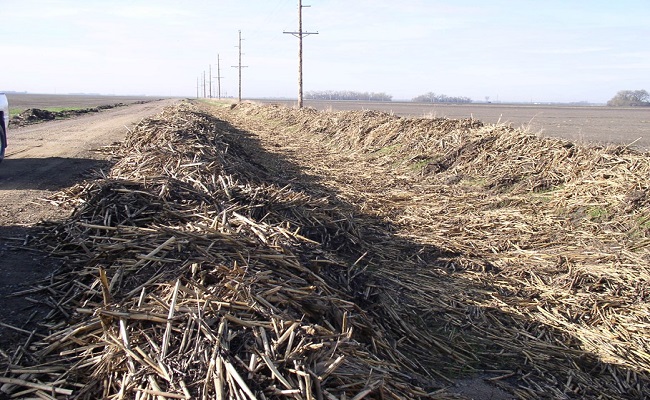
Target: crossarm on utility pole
[300,34]
[239,66]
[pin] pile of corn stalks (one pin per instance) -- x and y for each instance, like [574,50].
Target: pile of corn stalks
[534,253]
[186,275]
[373,257]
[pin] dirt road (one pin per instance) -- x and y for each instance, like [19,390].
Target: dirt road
[42,159]
[47,157]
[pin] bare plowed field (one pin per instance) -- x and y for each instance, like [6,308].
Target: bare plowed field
[22,101]
[282,253]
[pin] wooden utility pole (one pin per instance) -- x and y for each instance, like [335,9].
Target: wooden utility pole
[197,87]
[203,84]
[210,80]
[218,77]
[239,66]
[300,34]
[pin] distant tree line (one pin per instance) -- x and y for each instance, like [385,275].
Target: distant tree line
[440,98]
[347,95]
[630,98]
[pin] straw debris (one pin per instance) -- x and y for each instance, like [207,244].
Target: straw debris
[188,276]
[266,252]
[531,254]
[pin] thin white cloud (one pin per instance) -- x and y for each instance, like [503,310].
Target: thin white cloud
[158,14]
[568,51]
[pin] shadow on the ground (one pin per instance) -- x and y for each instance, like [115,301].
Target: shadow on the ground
[22,267]
[23,264]
[51,173]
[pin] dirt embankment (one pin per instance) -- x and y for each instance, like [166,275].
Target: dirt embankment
[285,252]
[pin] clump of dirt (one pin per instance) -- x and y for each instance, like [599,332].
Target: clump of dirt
[32,115]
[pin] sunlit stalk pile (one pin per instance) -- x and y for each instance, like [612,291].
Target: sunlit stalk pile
[187,276]
[535,252]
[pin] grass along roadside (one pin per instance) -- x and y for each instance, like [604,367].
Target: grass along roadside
[16,111]
[36,115]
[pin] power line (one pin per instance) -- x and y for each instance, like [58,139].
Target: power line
[239,66]
[300,34]
[263,39]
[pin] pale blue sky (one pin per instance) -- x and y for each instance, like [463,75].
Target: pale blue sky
[551,50]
